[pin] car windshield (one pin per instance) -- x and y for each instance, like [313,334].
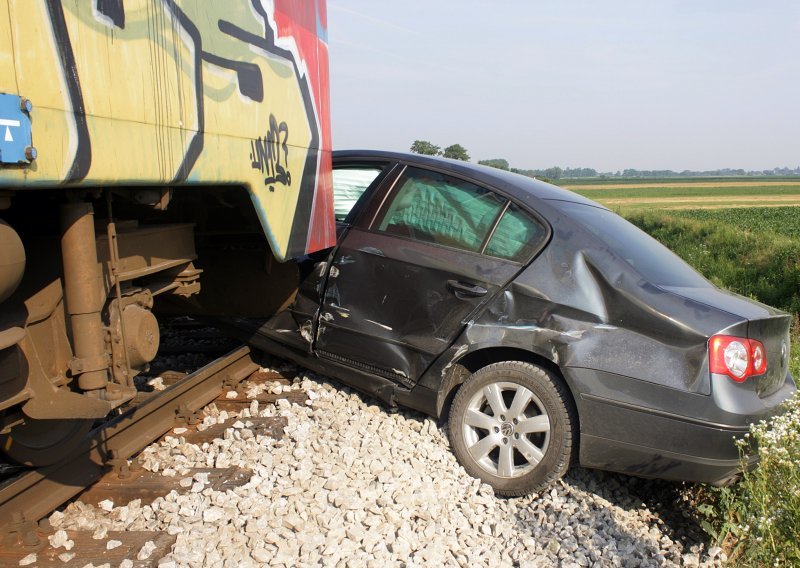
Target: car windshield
[655,262]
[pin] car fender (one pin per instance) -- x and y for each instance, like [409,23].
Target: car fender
[446,372]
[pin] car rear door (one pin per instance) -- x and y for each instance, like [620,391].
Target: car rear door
[414,267]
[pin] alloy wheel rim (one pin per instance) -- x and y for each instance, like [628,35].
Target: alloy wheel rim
[506,429]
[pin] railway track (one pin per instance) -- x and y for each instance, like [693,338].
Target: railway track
[33,495]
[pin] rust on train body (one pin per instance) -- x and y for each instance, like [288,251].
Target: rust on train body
[148,149]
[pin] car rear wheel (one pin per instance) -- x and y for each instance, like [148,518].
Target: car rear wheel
[511,425]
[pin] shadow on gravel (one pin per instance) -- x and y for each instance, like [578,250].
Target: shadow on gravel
[667,500]
[659,525]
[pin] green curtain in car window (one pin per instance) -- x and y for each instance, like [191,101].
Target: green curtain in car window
[516,236]
[437,211]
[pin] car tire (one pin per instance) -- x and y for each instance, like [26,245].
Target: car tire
[512,425]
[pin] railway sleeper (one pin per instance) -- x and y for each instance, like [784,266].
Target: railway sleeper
[127,482]
[85,549]
[34,494]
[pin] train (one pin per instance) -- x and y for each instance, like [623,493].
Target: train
[157,157]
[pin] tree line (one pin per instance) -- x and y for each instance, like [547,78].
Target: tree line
[572,173]
[458,152]
[454,151]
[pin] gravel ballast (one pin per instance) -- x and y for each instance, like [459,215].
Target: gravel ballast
[352,483]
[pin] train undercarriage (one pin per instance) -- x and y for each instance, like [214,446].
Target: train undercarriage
[84,275]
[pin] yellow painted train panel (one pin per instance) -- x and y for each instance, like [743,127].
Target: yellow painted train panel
[149,92]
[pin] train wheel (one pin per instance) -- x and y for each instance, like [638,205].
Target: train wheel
[44,442]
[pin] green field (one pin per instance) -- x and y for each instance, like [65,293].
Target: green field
[690,194]
[641,193]
[635,181]
[784,221]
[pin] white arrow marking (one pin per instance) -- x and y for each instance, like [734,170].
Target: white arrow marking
[8,123]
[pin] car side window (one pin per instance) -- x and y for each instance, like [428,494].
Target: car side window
[350,183]
[516,237]
[431,207]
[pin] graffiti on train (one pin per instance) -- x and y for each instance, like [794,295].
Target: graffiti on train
[270,154]
[176,92]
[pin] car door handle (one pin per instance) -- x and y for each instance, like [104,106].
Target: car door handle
[466,289]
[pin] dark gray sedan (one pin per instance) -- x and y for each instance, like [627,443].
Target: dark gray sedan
[546,328]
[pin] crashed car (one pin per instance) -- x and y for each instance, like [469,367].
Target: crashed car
[545,328]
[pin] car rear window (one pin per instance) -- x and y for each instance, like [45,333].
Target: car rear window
[516,237]
[655,262]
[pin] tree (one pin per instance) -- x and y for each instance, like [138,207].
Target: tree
[553,173]
[425,148]
[456,152]
[499,163]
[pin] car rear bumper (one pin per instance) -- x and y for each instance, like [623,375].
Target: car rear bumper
[642,461]
[652,443]
[643,429]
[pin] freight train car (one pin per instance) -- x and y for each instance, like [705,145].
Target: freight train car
[155,156]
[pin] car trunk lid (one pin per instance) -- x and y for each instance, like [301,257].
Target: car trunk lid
[763,323]
[773,332]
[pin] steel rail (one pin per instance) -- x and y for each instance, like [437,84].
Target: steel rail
[37,493]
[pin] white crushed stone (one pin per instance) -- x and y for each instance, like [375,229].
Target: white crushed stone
[157,384]
[28,560]
[100,532]
[231,394]
[112,544]
[126,563]
[66,556]
[354,484]
[146,550]
[59,539]
[254,389]
[106,505]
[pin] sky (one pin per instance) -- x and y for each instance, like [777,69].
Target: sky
[606,84]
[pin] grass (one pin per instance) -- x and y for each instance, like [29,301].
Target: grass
[712,204]
[755,252]
[689,191]
[755,180]
[784,221]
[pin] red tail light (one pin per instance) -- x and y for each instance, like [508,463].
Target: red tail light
[737,357]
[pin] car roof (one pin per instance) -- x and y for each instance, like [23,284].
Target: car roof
[515,185]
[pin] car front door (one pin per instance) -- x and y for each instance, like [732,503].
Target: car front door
[410,272]
[353,184]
